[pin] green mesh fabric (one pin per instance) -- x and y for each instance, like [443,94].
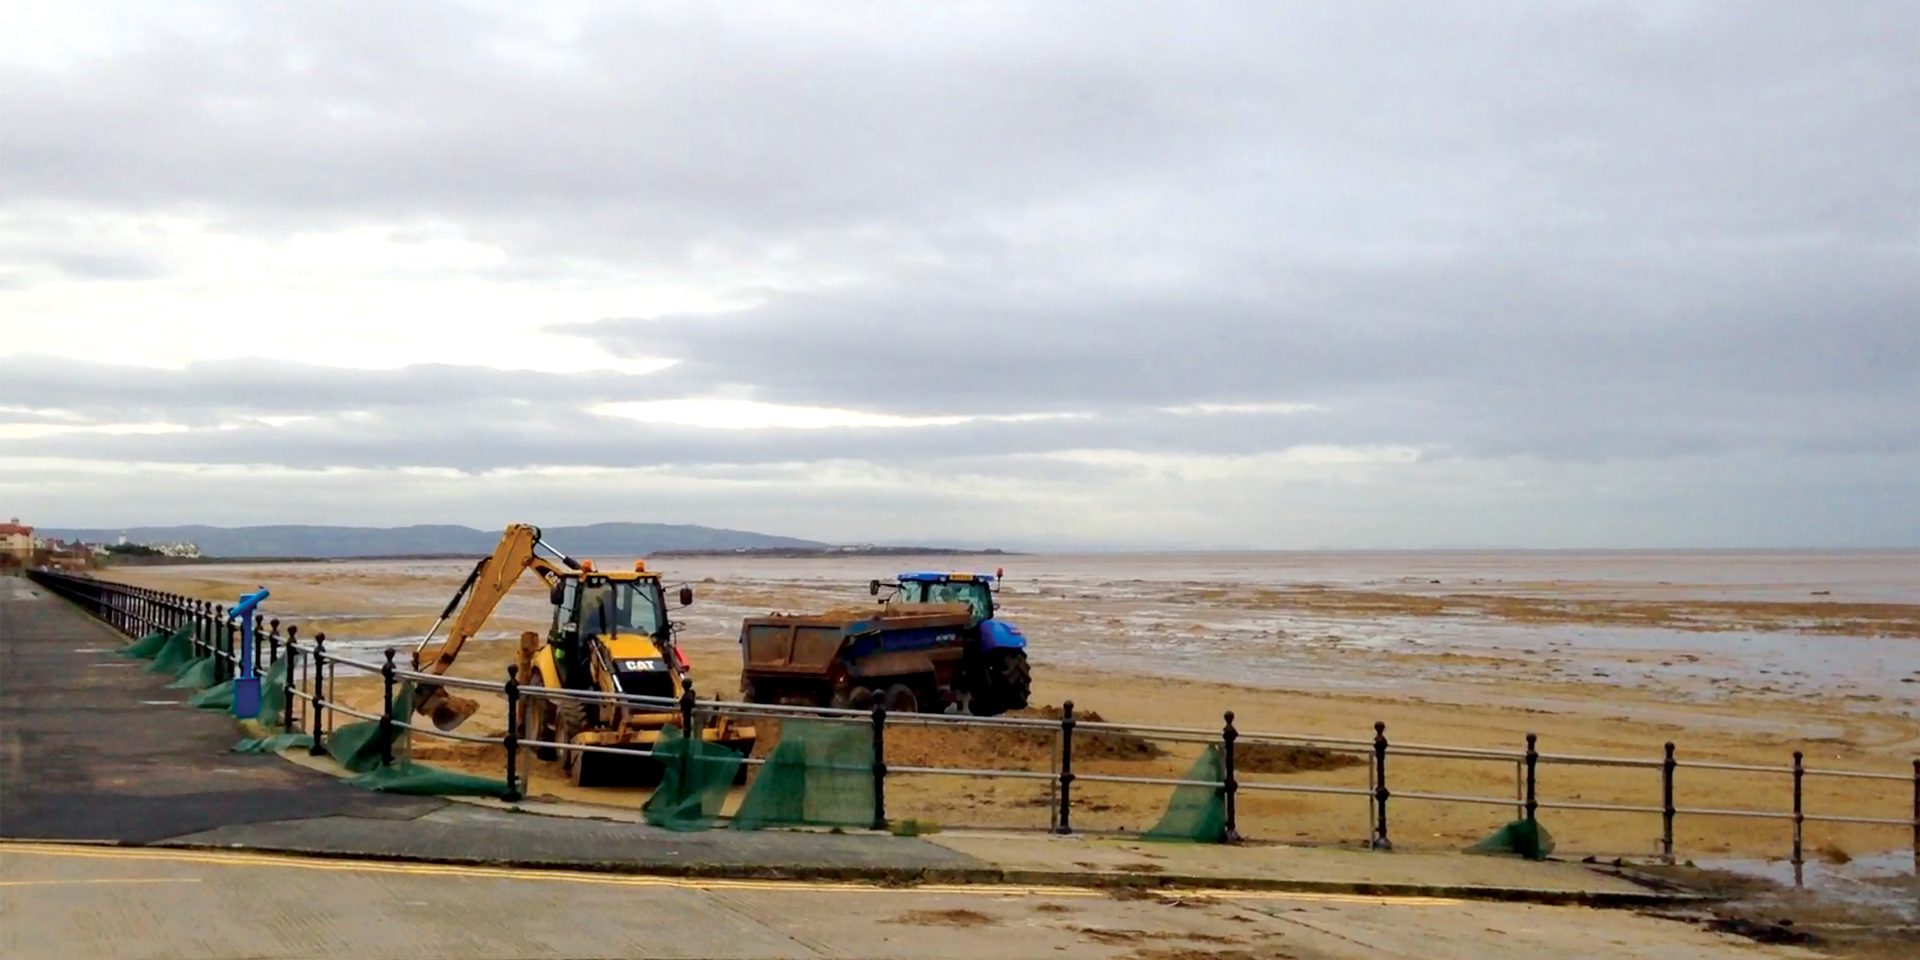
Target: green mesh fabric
[273,744]
[177,653]
[356,746]
[146,647]
[196,675]
[273,691]
[422,780]
[695,776]
[1196,812]
[217,697]
[1526,838]
[820,773]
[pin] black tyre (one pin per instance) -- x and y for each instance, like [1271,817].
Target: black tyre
[570,717]
[1006,684]
[855,698]
[900,698]
[536,718]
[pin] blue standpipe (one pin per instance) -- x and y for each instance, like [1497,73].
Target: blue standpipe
[246,685]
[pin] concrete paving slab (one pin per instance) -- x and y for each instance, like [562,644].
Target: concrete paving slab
[141,903]
[462,833]
[1281,867]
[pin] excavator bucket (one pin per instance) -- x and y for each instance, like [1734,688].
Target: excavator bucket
[444,709]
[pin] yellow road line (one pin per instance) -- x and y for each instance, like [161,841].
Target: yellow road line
[258,860]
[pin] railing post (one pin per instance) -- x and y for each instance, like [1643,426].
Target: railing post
[273,645]
[1799,816]
[295,664]
[202,629]
[512,740]
[287,699]
[222,634]
[879,765]
[1533,764]
[319,730]
[687,702]
[1064,823]
[1231,787]
[1666,805]
[1380,791]
[386,710]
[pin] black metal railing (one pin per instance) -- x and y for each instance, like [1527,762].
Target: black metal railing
[313,706]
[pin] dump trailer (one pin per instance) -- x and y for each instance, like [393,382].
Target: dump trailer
[933,644]
[610,633]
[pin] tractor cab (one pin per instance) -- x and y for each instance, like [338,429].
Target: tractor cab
[973,589]
[621,615]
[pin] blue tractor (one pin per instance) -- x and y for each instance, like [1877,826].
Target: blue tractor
[934,644]
[994,671]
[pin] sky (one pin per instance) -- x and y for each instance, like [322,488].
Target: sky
[1069,275]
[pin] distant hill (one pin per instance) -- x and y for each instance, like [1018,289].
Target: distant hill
[600,539]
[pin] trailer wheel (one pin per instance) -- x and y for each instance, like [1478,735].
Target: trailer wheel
[856,698]
[900,698]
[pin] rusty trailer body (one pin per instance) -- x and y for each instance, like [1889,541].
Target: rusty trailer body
[909,655]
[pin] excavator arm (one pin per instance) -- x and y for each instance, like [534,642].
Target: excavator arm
[470,608]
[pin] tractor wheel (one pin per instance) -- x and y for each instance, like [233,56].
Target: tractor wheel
[900,698]
[536,719]
[1007,684]
[570,717]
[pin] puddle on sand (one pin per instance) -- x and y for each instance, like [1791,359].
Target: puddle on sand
[1882,881]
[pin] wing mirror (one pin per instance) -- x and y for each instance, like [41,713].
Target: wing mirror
[873,588]
[557,594]
[686,596]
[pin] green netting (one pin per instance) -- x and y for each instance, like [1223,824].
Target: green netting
[356,747]
[820,773]
[1196,812]
[273,744]
[217,697]
[196,675]
[420,779]
[1524,837]
[694,778]
[273,691]
[145,647]
[177,653]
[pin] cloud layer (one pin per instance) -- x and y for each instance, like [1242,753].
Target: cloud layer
[1293,275]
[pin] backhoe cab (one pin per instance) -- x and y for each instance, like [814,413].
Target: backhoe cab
[610,633]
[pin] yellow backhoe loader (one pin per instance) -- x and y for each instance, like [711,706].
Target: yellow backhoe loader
[610,633]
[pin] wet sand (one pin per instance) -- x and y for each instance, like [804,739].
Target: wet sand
[1730,665]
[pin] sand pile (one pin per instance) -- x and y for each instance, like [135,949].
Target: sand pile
[1012,747]
[1290,758]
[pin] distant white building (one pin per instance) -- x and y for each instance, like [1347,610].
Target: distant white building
[185,550]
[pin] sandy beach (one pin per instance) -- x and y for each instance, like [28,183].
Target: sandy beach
[1734,657]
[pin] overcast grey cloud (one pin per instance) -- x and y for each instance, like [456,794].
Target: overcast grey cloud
[1542,274]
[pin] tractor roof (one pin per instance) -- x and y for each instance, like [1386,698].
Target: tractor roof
[935,576]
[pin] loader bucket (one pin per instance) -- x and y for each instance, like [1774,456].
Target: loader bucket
[444,709]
